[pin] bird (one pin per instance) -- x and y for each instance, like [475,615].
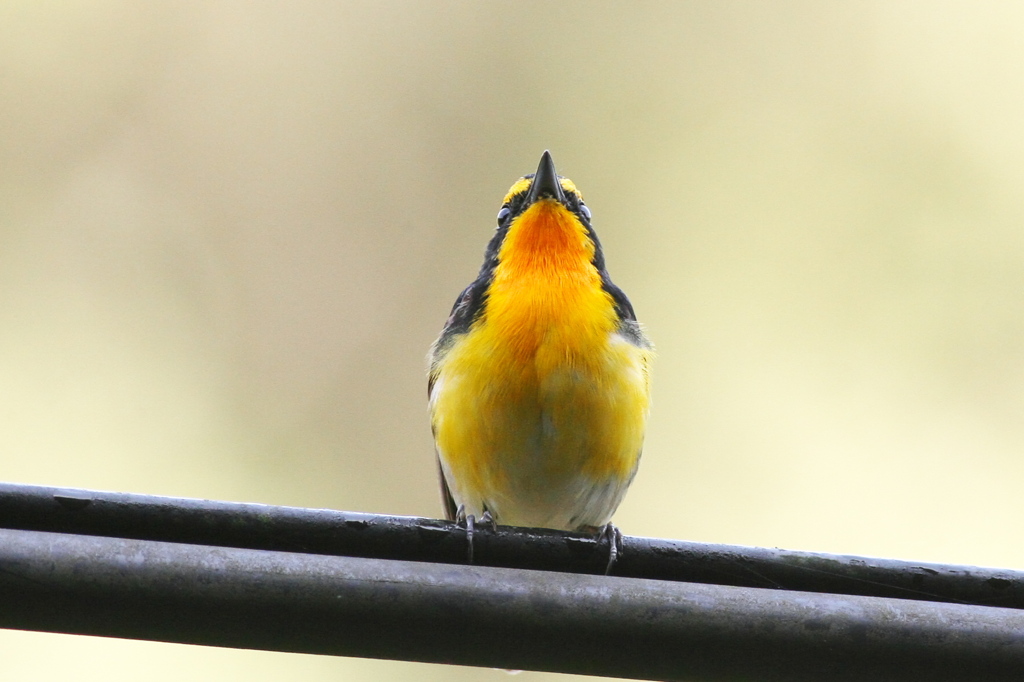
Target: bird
[539,383]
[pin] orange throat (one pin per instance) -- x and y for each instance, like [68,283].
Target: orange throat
[546,291]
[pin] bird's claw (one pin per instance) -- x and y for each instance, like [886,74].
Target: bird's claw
[487,519]
[614,537]
[469,522]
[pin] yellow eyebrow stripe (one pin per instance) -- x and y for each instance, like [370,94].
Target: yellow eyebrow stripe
[523,184]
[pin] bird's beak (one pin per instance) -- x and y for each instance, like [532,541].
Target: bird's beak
[545,182]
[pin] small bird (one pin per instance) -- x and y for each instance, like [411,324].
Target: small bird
[539,382]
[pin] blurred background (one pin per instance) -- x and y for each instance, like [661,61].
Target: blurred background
[229,232]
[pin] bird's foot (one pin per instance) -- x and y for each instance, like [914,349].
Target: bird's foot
[467,521]
[614,537]
[488,520]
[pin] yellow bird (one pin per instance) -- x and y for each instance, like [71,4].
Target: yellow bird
[539,383]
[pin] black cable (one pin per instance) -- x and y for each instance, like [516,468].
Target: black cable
[321,531]
[509,618]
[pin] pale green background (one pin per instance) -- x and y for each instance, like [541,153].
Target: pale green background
[229,232]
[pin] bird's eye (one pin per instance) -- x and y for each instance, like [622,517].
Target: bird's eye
[585,211]
[503,213]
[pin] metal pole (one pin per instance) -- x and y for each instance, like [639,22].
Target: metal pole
[472,615]
[322,531]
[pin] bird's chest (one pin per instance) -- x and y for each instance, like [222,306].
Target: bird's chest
[539,437]
[536,402]
[543,346]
